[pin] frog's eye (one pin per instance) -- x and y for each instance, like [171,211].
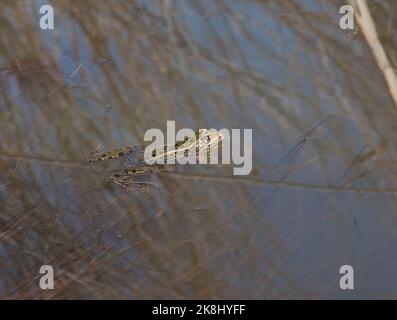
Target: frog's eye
[133,171]
[117,175]
[121,153]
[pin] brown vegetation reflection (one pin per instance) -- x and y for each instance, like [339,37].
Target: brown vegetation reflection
[110,70]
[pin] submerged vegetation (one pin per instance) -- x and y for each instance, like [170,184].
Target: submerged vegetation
[111,69]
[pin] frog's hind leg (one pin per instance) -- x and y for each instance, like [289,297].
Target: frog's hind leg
[94,154]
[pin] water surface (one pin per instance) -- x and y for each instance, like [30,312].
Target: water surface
[110,70]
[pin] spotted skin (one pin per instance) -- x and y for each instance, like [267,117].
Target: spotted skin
[111,154]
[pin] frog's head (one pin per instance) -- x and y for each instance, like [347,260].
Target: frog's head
[209,136]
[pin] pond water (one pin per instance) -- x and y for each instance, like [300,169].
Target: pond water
[111,70]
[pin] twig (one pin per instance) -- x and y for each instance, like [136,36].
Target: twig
[27,158]
[367,25]
[76,70]
[281,183]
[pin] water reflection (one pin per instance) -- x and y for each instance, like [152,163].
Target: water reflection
[111,70]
